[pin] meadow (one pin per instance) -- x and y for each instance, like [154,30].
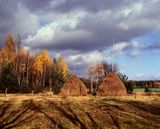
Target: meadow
[48,111]
[138,89]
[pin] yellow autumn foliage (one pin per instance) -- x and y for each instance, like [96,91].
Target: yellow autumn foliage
[45,58]
[37,67]
[62,65]
[8,52]
[40,62]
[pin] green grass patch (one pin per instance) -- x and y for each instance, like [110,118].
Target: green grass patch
[137,89]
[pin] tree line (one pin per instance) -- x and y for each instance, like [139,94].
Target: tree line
[148,83]
[22,71]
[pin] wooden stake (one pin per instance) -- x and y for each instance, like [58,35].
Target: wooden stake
[6,91]
[135,95]
[32,92]
[50,89]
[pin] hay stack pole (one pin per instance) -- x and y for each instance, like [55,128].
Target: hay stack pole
[97,80]
[112,85]
[113,55]
[91,84]
[74,65]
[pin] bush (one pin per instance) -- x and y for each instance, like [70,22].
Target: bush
[24,89]
[8,77]
[130,87]
[57,86]
[12,88]
[38,89]
[146,89]
[59,83]
[2,88]
[128,84]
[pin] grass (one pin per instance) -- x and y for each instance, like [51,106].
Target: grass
[143,89]
[39,111]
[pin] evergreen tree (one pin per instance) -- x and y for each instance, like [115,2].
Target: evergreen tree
[60,70]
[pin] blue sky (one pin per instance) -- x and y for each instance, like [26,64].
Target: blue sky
[144,65]
[82,31]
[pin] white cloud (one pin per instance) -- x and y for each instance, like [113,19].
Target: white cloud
[88,58]
[119,47]
[139,76]
[58,30]
[134,53]
[131,48]
[135,44]
[27,22]
[156,77]
[93,57]
[143,76]
[55,3]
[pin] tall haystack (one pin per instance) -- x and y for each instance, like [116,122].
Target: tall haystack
[73,87]
[111,86]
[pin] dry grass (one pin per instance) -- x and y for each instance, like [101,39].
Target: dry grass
[39,111]
[111,86]
[73,87]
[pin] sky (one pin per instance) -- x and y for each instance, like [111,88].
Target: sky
[82,32]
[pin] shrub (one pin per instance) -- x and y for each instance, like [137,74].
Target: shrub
[38,89]
[58,84]
[8,77]
[146,89]
[12,88]
[130,86]
[60,80]
[2,88]
[24,89]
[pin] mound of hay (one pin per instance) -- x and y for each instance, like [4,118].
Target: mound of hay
[73,87]
[111,86]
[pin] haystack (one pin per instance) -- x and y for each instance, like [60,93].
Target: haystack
[111,86]
[73,87]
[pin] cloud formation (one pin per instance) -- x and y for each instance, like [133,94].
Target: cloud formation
[86,30]
[155,46]
[82,27]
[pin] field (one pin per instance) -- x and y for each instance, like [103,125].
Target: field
[151,89]
[47,111]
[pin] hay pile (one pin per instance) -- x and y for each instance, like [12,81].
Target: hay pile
[73,87]
[111,86]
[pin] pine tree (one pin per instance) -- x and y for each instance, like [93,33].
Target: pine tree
[60,68]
